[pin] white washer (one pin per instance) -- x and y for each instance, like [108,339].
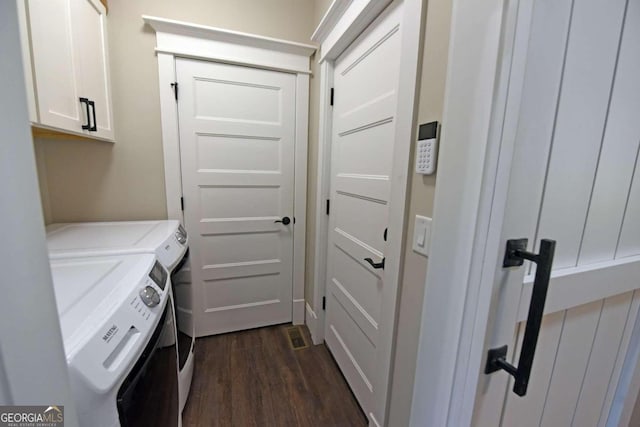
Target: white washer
[118,332]
[166,239]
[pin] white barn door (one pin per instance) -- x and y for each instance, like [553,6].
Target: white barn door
[574,114]
[365,82]
[237,133]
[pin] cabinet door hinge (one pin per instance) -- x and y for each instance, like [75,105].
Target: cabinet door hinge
[331,97]
[324,303]
[174,85]
[182,203]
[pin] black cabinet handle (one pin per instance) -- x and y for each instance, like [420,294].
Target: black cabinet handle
[496,360]
[85,101]
[376,265]
[285,220]
[93,128]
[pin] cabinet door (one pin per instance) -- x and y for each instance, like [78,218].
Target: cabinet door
[91,49]
[54,65]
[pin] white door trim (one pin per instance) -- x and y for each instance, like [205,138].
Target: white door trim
[26,377]
[181,39]
[342,24]
[468,213]
[323,191]
[233,47]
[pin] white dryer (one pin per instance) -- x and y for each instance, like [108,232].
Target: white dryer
[116,318]
[166,239]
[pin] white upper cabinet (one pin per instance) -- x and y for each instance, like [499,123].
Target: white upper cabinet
[67,66]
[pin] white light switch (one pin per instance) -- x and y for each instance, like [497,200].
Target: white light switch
[422,235]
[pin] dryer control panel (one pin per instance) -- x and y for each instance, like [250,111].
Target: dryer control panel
[172,250]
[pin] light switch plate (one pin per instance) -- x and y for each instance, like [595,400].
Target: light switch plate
[422,235]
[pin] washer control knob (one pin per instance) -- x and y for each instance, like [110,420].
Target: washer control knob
[150,296]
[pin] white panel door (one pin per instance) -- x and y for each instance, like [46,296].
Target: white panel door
[90,37]
[55,64]
[237,153]
[573,115]
[365,82]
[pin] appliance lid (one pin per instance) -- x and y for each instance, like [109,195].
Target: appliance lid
[90,290]
[164,238]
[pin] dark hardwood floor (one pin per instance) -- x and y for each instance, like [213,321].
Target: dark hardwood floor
[255,378]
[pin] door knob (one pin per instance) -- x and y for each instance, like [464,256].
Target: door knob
[376,265]
[285,220]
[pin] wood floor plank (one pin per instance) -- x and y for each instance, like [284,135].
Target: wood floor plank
[255,378]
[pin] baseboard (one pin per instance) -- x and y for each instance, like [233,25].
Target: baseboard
[372,420]
[185,378]
[298,311]
[311,319]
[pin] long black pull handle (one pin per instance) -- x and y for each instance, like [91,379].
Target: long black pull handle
[85,101]
[496,360]
[93,128]
[376,265]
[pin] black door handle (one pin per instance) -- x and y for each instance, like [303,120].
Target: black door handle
[285,220]
[85,101]
[93,109]
[376,265]
[496,359]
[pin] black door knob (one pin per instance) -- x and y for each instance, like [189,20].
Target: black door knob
[376,265]
[285,220]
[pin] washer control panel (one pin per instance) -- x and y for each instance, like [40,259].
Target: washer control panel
[150,297]
[106,357]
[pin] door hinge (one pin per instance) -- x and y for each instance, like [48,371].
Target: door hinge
[174,85]
[182,203]
[328,206]
[324,303]
[331,97]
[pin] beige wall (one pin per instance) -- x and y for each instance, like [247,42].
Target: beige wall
[422,187]
[89,181]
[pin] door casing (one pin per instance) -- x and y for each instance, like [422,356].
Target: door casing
[180,39]
[466,230]
[342,24]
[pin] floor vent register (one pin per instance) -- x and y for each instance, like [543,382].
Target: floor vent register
[296,338]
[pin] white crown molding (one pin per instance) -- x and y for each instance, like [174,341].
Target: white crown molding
[201,41]
[213,33]
[330,19]
[343,22]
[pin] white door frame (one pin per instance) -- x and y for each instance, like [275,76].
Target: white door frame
[186,40]
[468,212]
[342,24]
[28,298]
[465,237]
